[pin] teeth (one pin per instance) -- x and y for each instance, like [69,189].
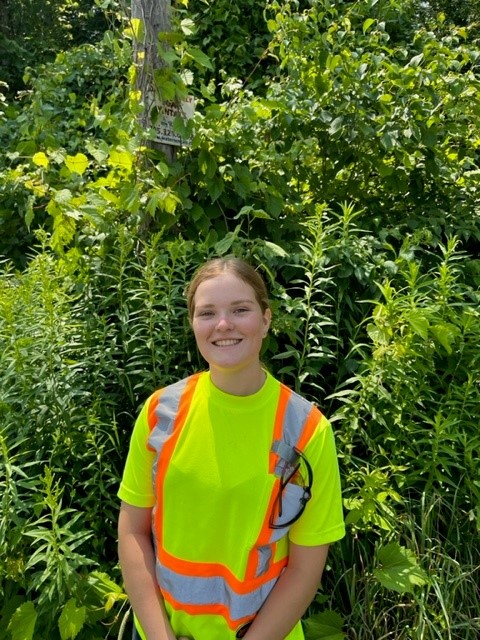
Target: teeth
[226,343]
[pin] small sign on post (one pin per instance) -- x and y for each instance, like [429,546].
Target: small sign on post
[164,127]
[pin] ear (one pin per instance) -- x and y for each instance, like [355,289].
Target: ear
[267,319]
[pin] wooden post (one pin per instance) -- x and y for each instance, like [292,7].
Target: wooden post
[155,18]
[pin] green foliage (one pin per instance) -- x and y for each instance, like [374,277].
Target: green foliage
[35,30]
[351,116]
[234,36]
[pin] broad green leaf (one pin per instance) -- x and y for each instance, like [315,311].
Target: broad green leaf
[71,620]
[272,26]
[169,203]
[40,159]
[200,58]
[77,163]
[415,61]
[187,26]
[386,98]
[326,625]
[446,334]
[379,335]
[261,213]
[120,159]
[419,323]
[367,24]
[336,125]
[384,170]
[136,28]
[276,249]
[387,141]
[215,188]
[223,245]
[105,589]
[62,196]
[207,163]
[399,569]
[22,623]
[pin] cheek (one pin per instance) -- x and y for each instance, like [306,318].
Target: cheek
[200,331]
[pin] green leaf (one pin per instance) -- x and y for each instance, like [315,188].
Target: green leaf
[62,196]
[223,245]
[248,210]
[71,620]
[399,569]
[40,159]
[386,98]
[326,625]
[335,125]
[207,163]
[29,213]
[120,159]
[419,323]
[384,170]
[367,24]
[200,58]
[446,334]
[276,249]
[187,26]
[22,623]
[137,28]
[215,188]
[77,163]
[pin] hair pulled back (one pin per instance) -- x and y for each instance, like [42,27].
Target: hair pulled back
[236,267]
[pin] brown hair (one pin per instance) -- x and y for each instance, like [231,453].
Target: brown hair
[232,265]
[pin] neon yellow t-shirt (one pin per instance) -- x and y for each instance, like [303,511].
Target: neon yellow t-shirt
[217,488]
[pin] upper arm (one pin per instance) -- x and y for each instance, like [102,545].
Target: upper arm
[308,561]
[136,520]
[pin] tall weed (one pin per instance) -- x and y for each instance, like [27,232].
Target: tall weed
[411,412]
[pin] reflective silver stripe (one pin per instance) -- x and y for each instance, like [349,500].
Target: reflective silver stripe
[264,557]
[166,412]
[198,591]
[297,413]
[285,451]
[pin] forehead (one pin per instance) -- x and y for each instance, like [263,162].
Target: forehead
[224,288]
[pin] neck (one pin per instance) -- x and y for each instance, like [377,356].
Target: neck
[237,383]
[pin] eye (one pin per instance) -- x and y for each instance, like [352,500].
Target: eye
[240,310]
[204,314]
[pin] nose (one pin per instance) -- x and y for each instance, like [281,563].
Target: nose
[224,323]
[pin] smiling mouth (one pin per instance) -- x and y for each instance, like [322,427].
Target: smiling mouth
[226,343]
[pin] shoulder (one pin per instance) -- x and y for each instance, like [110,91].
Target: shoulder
[169,397]
[301,405]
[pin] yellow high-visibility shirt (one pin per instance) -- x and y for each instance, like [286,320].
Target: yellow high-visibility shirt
[217,489]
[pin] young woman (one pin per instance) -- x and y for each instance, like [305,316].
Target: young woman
[231,493]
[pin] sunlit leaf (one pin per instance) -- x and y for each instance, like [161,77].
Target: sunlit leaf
[77,163]
[22,623]
[71,620]
[399,569]
[40,159]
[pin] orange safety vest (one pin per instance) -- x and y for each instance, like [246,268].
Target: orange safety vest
[211,588]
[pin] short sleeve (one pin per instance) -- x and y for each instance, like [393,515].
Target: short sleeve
[136,486]
[322,521]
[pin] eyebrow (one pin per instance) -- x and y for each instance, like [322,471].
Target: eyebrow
[233,303]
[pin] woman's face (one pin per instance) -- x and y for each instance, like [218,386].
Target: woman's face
[228,323]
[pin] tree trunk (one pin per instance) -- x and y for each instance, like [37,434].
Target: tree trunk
[155,17]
